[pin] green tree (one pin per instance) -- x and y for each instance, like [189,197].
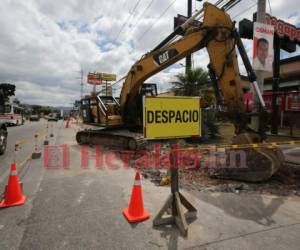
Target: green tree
[196,82]
[6,90]
[191,83]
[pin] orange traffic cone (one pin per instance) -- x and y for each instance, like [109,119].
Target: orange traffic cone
[136,212]
[68,122]
[13,192]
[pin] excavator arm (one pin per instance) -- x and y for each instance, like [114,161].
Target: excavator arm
[217,35]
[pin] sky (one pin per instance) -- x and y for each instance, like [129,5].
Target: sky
[45,43]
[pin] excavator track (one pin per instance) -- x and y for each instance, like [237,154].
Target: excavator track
[254,165]
[118,138]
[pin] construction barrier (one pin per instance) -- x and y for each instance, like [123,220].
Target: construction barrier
[46,142]
[51,131]
[36,154]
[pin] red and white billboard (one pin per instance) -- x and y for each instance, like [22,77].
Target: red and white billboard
[263,37]
[93,78]
[284,29]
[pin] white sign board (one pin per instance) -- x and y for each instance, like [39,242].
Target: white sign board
[263,52]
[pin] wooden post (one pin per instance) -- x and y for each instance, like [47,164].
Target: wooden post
[176,201]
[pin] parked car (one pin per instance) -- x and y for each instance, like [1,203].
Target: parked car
[34,118]
[3,138]
[52,118]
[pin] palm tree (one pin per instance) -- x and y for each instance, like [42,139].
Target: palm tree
[196,82]
[191,83]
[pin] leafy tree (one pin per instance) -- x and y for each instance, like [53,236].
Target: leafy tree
[6,90]
[196,82]
[191,83]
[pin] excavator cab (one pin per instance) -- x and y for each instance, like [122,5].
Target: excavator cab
[103,111]
[147,89]
[86,110]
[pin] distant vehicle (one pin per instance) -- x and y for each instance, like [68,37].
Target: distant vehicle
[53,117]
[34,118]
[6,91]
[61,116]
[3,138]
[12,114]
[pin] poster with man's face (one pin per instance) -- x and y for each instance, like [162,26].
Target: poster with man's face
[263,46]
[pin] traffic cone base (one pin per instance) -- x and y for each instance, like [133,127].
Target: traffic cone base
[20,202]
[133,219]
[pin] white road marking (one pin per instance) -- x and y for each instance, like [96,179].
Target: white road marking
[80,197]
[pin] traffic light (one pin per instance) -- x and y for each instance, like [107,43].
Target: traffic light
[246,29]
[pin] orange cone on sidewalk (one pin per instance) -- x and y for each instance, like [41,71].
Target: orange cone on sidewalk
[13,192]
[136,212]
[68,122]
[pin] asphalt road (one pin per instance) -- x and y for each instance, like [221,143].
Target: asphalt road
[26,135]
[81,208]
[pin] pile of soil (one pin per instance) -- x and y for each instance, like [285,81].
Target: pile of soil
[285,182]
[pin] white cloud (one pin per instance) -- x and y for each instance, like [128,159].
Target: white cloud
[45,43]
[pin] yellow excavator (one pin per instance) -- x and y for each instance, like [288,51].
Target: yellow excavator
[122,120]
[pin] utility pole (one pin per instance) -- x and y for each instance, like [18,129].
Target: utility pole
[261,18]
[275,85]
[188,60]
[81,83]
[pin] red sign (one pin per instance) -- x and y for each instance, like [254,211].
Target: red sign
[248,101]
[268,100]
[284,29]
[293,102]
[268,96]
[93,78]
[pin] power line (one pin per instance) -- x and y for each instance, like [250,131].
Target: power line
[157,19]
[145,10]
[151,26]
[140,17]
[128,18]
[240,13]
